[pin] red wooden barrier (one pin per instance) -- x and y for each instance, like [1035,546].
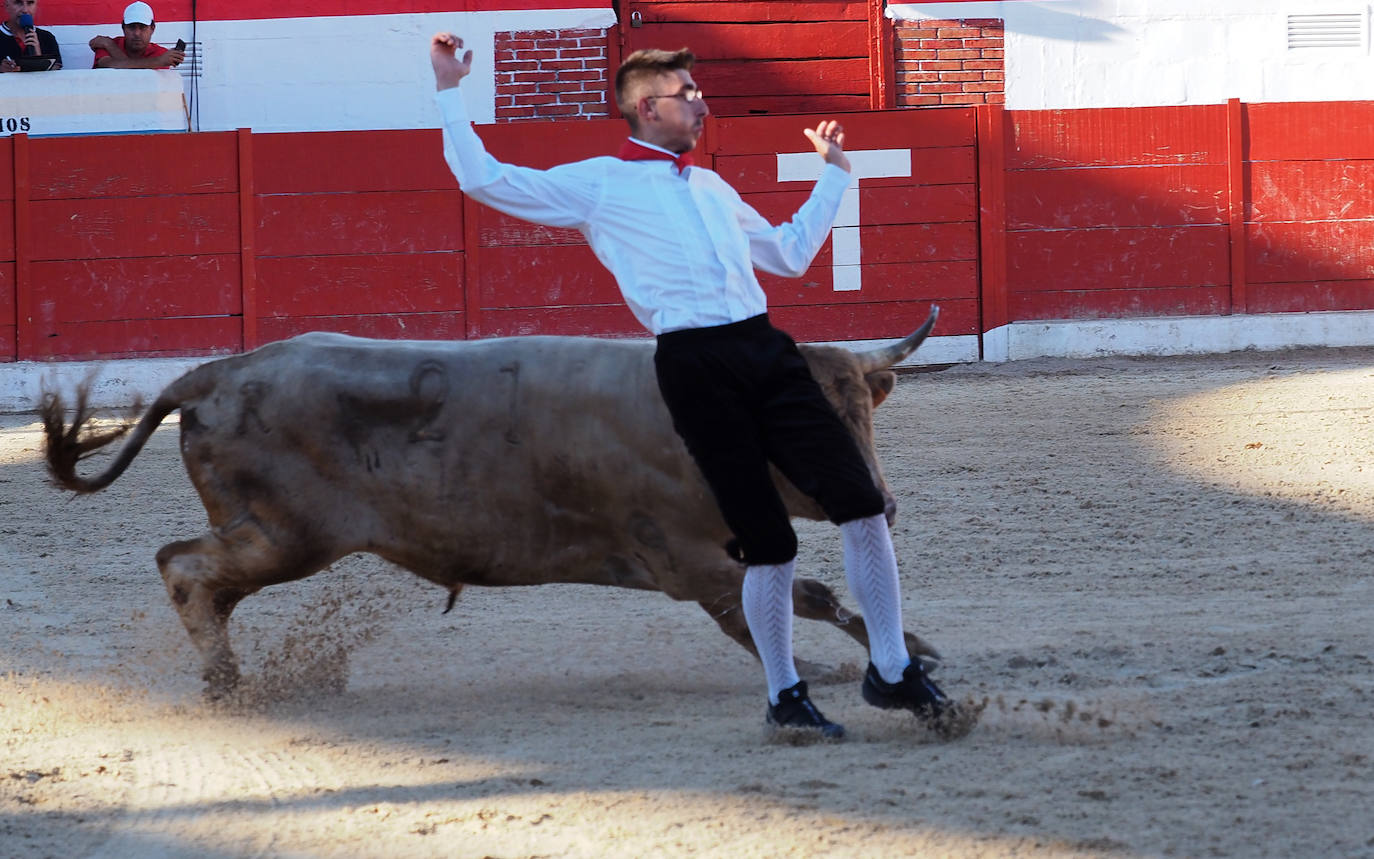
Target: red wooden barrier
[1117,212]
[211,243]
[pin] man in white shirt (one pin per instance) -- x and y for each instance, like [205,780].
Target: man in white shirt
[683,246]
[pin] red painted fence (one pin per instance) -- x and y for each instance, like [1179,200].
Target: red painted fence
[211,243]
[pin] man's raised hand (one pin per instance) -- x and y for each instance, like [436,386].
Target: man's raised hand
[828,138]
[443,55]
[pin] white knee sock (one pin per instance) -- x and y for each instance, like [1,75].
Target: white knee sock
[871,568]
[767,601]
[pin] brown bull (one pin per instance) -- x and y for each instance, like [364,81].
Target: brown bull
[518,461]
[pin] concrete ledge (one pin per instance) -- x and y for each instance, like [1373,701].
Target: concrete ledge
[1185,335]
[118,384]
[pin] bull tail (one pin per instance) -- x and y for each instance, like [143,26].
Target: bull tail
[65,446]
[886,356]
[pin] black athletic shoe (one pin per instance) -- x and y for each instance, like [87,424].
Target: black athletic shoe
[795,710]
[915,692]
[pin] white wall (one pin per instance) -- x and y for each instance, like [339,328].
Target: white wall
[334,74]
[1134,53]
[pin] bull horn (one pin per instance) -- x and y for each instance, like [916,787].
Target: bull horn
[885,356]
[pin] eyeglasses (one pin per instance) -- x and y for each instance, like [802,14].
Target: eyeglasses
[688,94]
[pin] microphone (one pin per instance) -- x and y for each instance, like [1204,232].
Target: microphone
[26,24]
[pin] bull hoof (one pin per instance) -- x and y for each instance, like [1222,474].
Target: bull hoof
[220,681]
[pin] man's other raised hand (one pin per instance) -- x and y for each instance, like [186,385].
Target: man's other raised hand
[449,70]
[828,138]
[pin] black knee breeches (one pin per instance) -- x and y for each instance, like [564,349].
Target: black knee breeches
[741,396]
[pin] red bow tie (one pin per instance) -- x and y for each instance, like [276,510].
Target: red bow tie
[633,151]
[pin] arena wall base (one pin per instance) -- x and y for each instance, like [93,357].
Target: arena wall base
[118,383]
[1186,335]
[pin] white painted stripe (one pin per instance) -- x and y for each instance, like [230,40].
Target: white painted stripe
[845,248]
[866,164]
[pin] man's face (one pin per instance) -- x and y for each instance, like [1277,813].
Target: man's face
[671,111]
[15,8]
[137,37]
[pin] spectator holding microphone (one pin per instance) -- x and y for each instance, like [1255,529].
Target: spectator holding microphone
[135,49]
[23,46]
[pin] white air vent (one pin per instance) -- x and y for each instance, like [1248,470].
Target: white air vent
[1331,30]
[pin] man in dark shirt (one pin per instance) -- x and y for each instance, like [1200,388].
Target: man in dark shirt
[24,47]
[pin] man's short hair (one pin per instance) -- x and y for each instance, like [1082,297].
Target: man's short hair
[646,65]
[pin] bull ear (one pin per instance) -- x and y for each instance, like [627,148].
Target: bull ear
[880,384]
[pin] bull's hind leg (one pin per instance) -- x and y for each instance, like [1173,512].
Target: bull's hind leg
[198,575]
[206,577]
[811,600]
[814,601]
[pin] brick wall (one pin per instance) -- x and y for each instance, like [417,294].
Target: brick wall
[949,62]
[551,74]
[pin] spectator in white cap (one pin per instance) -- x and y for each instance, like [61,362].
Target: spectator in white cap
[135,49]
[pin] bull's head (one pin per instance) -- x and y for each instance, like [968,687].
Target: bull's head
[857,382]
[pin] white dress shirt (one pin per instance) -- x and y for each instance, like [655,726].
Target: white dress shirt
[682,247]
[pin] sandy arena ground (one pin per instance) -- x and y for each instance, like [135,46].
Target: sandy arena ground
[1156,572]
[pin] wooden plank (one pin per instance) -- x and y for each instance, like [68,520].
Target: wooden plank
[1311,131]
[361,285]
[890,204]
[804,104]
[882,59]
[872,320]
[332,161]
[448,325]
[1119,303]
[1117,197]
[162,287]
[101,228]
[1128,258]
[758,40]
[6,299]
[1117,136]
[6,232]
[24,297]
[1301,252]
[1235,200]
[992,220]
[543,277]
[944,166]
[527,143]
[783,77]
[134,165]
[598,320]
[935,280]
[916,129]
[6,169]
[381,222]
[9,343]
[141,338]
[499,229]
[1312,297]
[1310,191]
[654,12]
[248,233]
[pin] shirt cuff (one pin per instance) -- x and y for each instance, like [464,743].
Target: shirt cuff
[451,105]
[833,180]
